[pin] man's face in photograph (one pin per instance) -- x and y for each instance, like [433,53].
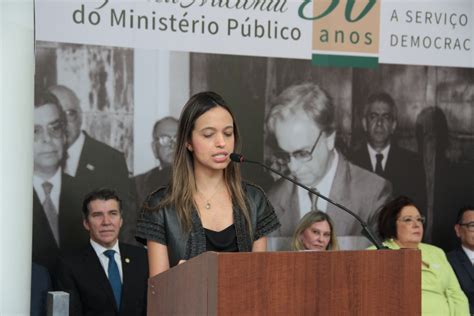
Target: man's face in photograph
[379,123]
[49,138]
[72,109]
[164,141]
[296,136]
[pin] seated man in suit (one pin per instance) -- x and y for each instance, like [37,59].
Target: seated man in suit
[164,141]
[56,209]
[462,258]
[107,277]
[381,154]
[302,124]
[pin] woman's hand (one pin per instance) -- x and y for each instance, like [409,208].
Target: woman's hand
[260,245]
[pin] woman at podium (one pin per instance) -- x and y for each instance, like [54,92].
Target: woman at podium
[315,232]
[400,224]
[206,206]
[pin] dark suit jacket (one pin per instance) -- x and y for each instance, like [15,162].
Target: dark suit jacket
[452,189]
[83,277]
[464,270]
[359,190]
[72,234]
[40,285]
[404,169]
[102,166]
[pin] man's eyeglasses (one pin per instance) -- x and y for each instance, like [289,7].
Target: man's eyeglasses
[283,158]
[410,220]
[54,130]
[469,226]
[166,140]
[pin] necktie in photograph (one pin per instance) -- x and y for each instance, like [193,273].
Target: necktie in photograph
[378,165]
[50,210]
[314,200]
[114,276]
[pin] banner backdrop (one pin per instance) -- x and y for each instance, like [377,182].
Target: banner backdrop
[131,63]
[423,32]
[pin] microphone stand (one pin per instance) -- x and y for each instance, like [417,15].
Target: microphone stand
[365,229]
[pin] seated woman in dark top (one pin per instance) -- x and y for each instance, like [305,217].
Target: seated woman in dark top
[206,206]
[315,231]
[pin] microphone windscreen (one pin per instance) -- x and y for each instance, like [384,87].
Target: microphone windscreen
[236,157]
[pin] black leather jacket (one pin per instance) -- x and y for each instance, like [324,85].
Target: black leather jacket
[163,226]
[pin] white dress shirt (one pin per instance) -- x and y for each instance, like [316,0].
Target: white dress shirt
[74,154]
[469,253]
[55,180]
[104,260]
[323,187]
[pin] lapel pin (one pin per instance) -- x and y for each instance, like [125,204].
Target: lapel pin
[90,167]
[127,260]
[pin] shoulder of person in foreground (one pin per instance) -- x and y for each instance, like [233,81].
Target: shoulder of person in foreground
[154,199]
[137,255]
[256,196]
[454,255]
[389,243]
[266,218]
[253,190]
[151,218]
[432,250]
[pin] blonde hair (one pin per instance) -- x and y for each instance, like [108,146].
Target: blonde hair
[308,220]
[182,186]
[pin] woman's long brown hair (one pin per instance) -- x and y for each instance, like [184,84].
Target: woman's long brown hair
[182,186]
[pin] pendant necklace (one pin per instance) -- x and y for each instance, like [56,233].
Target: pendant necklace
[208,201]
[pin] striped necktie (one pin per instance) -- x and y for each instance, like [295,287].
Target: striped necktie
[314,200]
[50,210]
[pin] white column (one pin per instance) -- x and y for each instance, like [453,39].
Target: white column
[16,154]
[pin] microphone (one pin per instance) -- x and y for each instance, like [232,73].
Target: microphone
[235,157]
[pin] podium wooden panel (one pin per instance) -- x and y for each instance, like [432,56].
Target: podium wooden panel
[382,282]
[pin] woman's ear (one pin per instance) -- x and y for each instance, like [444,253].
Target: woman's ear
[189,147]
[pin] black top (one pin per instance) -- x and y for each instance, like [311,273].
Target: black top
[223,241]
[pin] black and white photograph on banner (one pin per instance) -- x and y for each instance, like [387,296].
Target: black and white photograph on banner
[420,116]
[321,126]
[112,137]
[316,143]
[92,87]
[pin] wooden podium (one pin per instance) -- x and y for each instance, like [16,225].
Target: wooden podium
[382,282]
